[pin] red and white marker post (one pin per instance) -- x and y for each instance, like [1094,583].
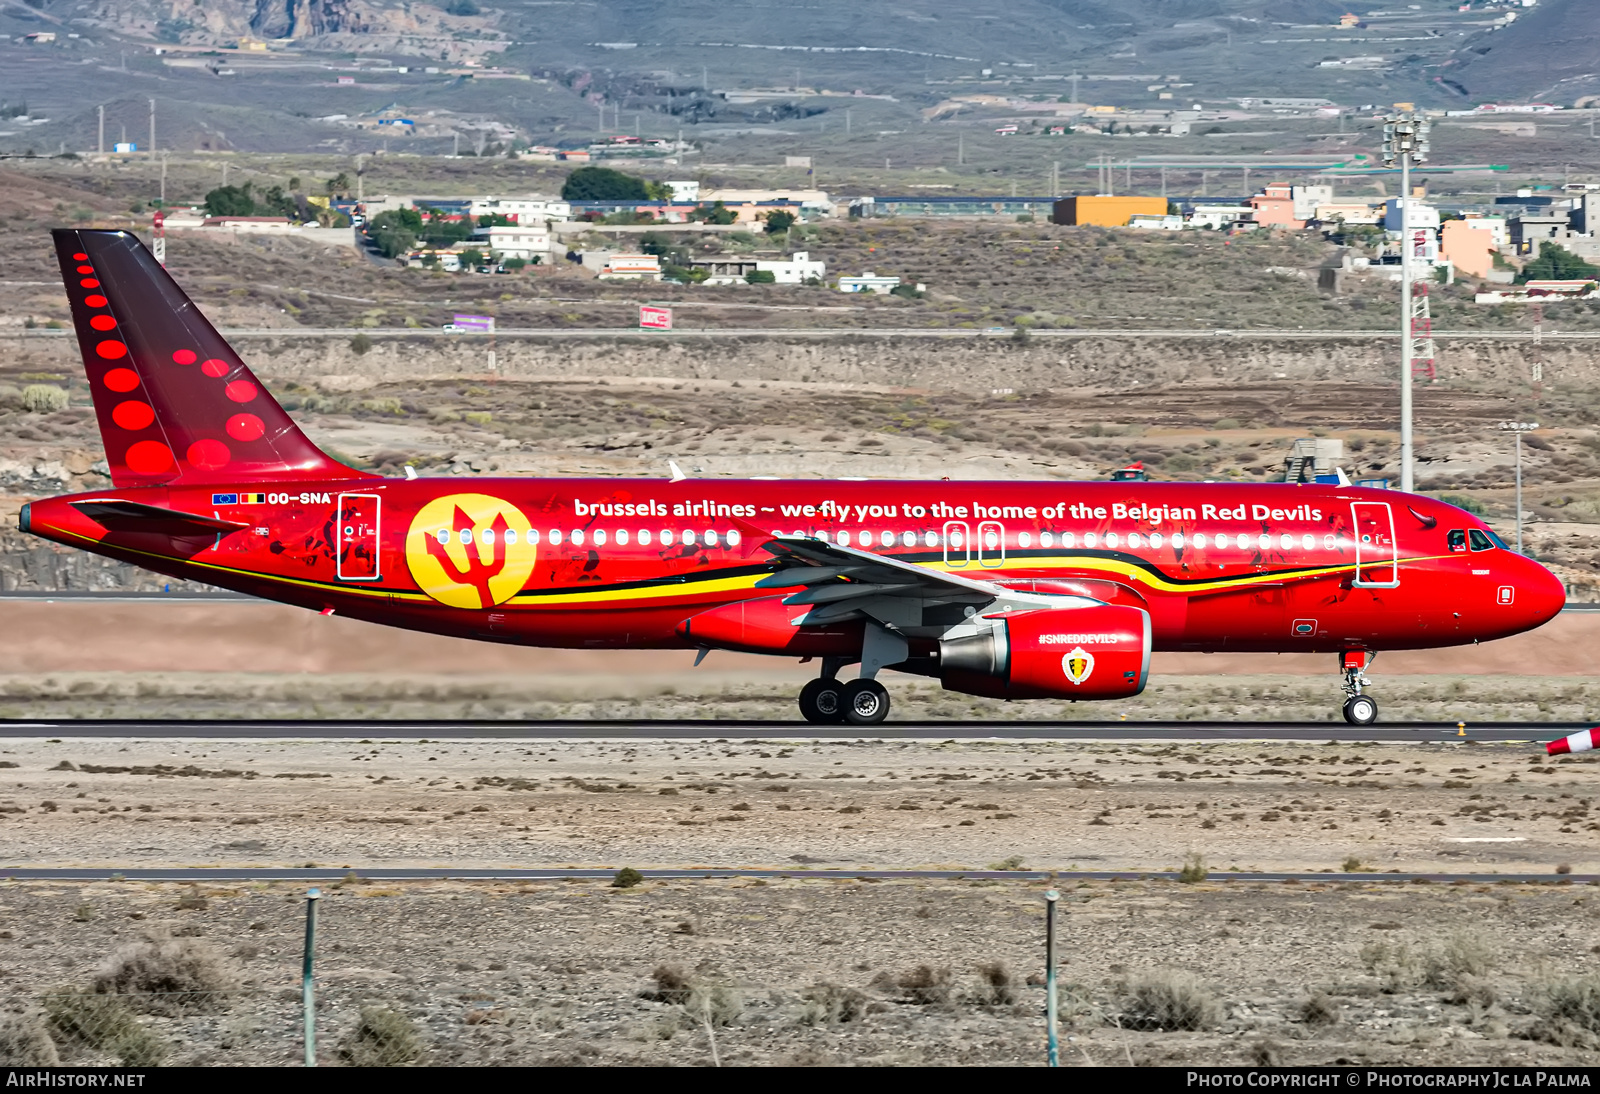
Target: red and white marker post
[1578,742]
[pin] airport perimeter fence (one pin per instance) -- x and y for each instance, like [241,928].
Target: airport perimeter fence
[185,1000]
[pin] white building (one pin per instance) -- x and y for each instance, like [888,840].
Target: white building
[684,192]
[868,282]
[810,201]
[515,241]
[631,267]
[797,269]
[1351,212]
[1219,216]
[1307,198]
[1495,226]
[522,211]
[1419,214]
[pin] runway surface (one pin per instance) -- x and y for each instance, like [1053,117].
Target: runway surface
[1530,733]
[445,873]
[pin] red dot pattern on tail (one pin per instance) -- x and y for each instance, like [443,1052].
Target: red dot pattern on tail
[208,455]
[149,458]
[133,415]
[159,419]
[245,427]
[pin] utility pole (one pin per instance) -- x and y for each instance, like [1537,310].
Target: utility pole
[100,145]
[847,121]
[1405,138]
[163,180]
[1074,78]
[1163,182]
[152,127]
[961,149]
[1517,429]
[601,128]
[1055,179]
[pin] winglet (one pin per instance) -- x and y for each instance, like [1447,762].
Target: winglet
[677,472]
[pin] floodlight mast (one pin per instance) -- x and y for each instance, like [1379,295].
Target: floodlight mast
[1405,138]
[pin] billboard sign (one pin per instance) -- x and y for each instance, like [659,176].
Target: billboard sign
[477,324]
[654,318]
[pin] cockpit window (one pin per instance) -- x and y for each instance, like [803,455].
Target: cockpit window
[1456,540]
[1496,540]
[1482,542]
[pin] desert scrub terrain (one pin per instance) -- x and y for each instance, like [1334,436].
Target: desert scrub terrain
[803,972]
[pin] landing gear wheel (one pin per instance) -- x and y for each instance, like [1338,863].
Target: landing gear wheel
[866,702]
[1360,710]
[822,702]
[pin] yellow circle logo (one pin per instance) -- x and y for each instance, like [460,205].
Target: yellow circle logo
[470,550]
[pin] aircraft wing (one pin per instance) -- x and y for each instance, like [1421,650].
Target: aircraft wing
[834,580]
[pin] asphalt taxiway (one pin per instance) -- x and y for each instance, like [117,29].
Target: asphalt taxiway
[1529,733]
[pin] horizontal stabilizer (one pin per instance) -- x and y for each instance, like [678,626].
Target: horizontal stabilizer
[115,515]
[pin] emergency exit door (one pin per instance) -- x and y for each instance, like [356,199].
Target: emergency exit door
[356,537]
[1377,553]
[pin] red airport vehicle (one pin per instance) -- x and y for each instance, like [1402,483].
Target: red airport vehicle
[1012,590]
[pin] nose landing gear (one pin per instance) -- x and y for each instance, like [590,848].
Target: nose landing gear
[1359,709]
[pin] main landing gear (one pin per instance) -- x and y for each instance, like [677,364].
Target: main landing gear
[1359,709]
[829,701]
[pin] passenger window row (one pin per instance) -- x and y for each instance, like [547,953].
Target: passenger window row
[990,540]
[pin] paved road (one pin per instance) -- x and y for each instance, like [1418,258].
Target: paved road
[1529,733]
[534,873]
[1209,334]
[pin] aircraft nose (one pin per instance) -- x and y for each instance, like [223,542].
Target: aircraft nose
[1539,593]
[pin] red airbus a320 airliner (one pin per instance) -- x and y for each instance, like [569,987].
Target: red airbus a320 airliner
[1013,590]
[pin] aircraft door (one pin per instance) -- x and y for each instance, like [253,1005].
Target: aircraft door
[991,544]
[356,537]
[957,544]
[1377,553]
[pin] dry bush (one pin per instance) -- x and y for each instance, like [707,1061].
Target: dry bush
[828,1004]
[1392,963]
[170,975]
[1194,869]
[1460,966]
[703,1000]
[25,1041]
[382,1038]
[713,1004]
[1569,1011]
[626,878]
[925,985]
[672,985]
[998,987]
[1169,999]
[103,1023]
[1319,1010]
[43,398]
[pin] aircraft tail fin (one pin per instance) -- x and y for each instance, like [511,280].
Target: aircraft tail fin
[175,403]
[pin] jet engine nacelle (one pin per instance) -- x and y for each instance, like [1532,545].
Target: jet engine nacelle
[1101,652]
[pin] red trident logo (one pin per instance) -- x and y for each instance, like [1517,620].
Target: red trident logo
[477,572]
[470,551]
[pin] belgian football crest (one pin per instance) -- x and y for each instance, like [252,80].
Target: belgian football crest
[1078,664]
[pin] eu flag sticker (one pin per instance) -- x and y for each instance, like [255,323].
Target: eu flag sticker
[224,499]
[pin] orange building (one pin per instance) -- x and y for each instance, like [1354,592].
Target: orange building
[1107,212]
[1274,207]
[1470,250]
